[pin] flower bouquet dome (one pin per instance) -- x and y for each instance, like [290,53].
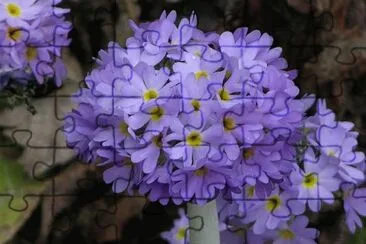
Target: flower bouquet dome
[182,115]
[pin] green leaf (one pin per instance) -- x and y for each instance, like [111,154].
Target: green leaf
[16,200]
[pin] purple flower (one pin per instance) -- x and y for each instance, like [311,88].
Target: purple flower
[116,54]
[179,234]
[323,116]
[203,67]
[18,12]
[354,205]
[145,88]
[182,115]
[269,213]
[336,143]
[262,162]
[123,174]
[196,104]
[157,183]
[149,154]
[317,181]
[201,181]
[155,118]
[79,130]
[252,50]
[194,144]
[115,132]
[294,232]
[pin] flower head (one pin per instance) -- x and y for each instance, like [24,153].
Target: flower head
[186,116]
[34,32]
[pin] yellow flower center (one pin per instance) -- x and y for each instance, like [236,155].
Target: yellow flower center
[181,234]
[331,153]
[248,153]
[123,128]
[150,94]
[273,203]
[194,139]
[13,33]
[31,53]
[240,233]
[196,105]
[156,113]
[229,123]
[127,162]
[197,54]
[286,234]
[310,181]
[250,191]
[157,140]
[13,9]
[224,94]
[198,75]
[201,172]
[307,130]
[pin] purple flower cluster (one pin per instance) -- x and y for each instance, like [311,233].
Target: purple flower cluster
[291,232]
[32,34]
[184,115]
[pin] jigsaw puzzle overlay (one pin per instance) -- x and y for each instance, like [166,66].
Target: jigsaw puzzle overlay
[180,115]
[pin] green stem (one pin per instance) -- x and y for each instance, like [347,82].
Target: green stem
[203,223]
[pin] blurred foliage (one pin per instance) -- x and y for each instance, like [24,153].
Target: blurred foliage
[16,202]
[16,95]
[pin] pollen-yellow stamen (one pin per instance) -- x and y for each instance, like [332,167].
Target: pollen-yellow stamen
[200,74]
[248,153]
[13,33]
[286,234]
[229,123]
[310,181]
[331,153]
[250,191]
[156,113]
[224,94]
[128,162]
[273,203]
[181,233]
[194,139]
[123,128]
[196,105]
[150,94]
[201,172]
[307,130]
[13,9]
[31,53]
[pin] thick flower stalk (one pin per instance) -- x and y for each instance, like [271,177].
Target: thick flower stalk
[186,116]
[32,34]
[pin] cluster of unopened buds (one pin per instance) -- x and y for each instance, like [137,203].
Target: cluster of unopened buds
[32,34]
[186,116]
